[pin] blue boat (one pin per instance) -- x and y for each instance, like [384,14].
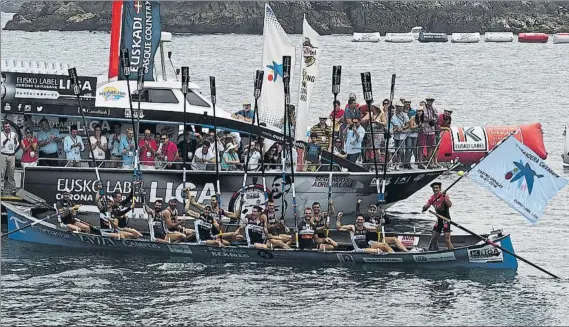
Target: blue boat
[469,252]
[426,37]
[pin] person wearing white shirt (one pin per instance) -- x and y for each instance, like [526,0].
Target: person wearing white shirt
[8,145]
[73,145]
[99,145]
[354,136]
[203,158]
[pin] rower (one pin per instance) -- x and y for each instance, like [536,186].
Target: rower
[318,212]
[109,226]
[68,213]
[206,228]
[119,209]
[176,226]
[159,229]
[441,202]
[374,219]
[358,234]
[274,225]
[320,225]
[307,237]
[214,212]
[255,228]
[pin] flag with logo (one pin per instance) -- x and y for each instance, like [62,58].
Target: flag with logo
[308,74]
[135,25]
[519,177]
[276,44]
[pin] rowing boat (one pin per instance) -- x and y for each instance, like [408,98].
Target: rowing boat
[468,253]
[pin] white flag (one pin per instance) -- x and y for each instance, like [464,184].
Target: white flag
[276,44]
[308,73]
[519,177]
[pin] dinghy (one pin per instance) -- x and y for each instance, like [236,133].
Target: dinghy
[498,37]
[469,251]
[366,37]
[465,37]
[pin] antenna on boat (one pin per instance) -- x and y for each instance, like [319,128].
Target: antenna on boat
[368,97]
[390,109]
[287,122]
[176,71]
[258,85]
[185,81]
[77,91]
[336,80]
[217,157]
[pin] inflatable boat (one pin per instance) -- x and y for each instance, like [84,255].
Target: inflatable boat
[399,37]
[465,37]
[426,37]
[533,38]
[366,37]
[498,37]
[470,144]
[560,38]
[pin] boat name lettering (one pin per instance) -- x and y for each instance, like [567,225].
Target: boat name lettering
[265,254]
[322,181]
[140,244]
[95,239]
[180,248]
[344,257]
[435,257]
[50,231]
[382,259]
[230,253]
[487,253]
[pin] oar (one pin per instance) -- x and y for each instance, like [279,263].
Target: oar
[185,81]
[390,108]
[257,93]
[336,80]
[492,243]
[75,85]
[30,225]
[368,97]
[218,191]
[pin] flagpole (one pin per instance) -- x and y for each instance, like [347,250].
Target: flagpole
[494,244]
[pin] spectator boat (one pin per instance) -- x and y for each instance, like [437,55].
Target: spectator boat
[469,251]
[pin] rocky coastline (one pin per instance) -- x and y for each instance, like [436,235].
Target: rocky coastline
[326,17]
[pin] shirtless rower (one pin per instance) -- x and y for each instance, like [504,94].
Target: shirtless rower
[119,210]
[176,226]
[68,213]
[307,236]
[358,234]
[160,231]
[374,219]
[275,226]
[255,227]
[206,226]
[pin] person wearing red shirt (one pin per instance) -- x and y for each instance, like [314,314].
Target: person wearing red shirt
[148,148]
[441,203]
[337,116]
[168,152]
[29,150]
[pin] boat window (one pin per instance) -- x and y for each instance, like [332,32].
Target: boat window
[156,96]
[196,100]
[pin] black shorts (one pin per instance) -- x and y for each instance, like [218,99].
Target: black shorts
[442,226]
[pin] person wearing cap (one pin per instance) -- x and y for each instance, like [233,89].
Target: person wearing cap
[246,113]
[29,149]
[430,126]
[175,225]
[407,108]
[323,133]
[337,114]
[312,153]
[230,159]
[441,202]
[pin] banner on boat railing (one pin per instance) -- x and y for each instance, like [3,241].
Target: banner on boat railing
[141,36]
[519,177]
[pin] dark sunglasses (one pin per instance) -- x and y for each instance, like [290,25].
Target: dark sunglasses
[163,139]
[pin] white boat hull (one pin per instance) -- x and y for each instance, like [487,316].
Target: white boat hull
[465,37]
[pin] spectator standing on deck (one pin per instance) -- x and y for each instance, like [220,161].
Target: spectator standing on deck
[29,150]
[187,146]
[339,114]
[8,145]
[203,158]
[127,148]
[312,153]
[354,136]
[114,141]
[168,152]
[48,139]
[321,132]
[400,124]
[99,145]
[73,146]
[444,122]
[147,147]
[429,128]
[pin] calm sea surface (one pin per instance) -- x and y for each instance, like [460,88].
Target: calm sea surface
[485,83]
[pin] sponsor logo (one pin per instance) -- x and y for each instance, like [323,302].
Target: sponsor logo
[98,111]
[111,93]
[50,231]
[97,240]
[469,139]
[384,259]
[487,253]
[308,52]
[277,71]
[522,173]
[373,181]
[39,108]
[344,257]
[181,248]
[265,254]
[137,113]
[140,244]
[225,252]
[17,221]
[408,240]
[435,257]
[337,181]
[7,107]
[28,108]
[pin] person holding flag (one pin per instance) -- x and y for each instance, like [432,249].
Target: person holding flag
[441,202]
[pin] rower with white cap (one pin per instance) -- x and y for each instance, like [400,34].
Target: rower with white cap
[246,113]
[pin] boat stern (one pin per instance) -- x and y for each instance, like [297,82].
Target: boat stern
[488,256]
